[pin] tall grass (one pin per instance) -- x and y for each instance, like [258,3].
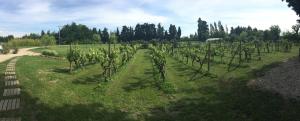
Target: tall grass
[23,42]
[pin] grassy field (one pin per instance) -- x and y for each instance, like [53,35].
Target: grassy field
[50,93]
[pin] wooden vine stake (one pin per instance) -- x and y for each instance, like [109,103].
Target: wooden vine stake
[208,60]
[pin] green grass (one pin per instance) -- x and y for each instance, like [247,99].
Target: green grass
[50,93]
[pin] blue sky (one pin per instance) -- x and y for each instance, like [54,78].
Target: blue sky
[19,17]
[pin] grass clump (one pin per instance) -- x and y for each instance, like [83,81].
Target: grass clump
[49,53]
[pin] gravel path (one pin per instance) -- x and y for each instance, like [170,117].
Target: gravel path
[284,79]
[22,52]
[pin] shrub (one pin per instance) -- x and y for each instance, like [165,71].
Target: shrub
[16,50]
[6,49]
[49,53]
[23,42]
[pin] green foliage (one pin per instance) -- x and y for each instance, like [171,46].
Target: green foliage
[6,38]
[96,38]
[275,32]
[6,49]
[202,30]
[48,40]
[24,42]
[158,57]
[110,62]
[201,98]
[78,32]
[15,50]
[168,87]
[105,36]
[49,53]
[295,4]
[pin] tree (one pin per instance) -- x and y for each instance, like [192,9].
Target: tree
[96,38]
[76,32]
[166,37]
[105,35]
[125,34]
[179,33]
[94,30]
[296,29]
[295,4]
[216,29]
[212,31]
[221,30]
[32,36]
[113,39]
[267,35]
[160,32]
[275,32]
[139,32]
[42,33]
[118,34]
[202,30]
[100,32]
[173,32]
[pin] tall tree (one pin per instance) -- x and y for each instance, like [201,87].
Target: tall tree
[275,32]
[212,31]
[221,30]
[105,35]
[216,30]
[202,30]
[178,33]
[118,34]
[172,31]
[295,4]
[42,33]
[139,32]
[160,32]
[296,29]
[125,34]
[166,35]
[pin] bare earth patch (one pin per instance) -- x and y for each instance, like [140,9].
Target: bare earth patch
[284,79]
[21,52]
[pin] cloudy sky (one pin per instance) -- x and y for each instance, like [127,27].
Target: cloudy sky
[19,17]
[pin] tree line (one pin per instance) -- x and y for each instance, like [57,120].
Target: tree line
[217,30]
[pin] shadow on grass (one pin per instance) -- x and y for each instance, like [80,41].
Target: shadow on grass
[35,110]
[190,71]
[89,80]
[228,103]
[141,83]
[62,70]
[229,100]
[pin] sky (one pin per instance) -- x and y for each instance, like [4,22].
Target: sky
[20,17]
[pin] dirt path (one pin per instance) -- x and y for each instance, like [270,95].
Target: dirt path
[284,79]
[22,52]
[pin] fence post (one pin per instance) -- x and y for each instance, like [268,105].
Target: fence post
[299,55]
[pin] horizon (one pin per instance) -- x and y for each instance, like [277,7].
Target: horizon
[32,16]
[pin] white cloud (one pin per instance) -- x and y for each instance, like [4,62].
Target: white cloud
[34,15]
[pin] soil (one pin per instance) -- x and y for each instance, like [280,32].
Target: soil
[283,79]
[21,52]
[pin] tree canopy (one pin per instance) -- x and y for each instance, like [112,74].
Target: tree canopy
[202,30]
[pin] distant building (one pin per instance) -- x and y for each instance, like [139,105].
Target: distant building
[213,39]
